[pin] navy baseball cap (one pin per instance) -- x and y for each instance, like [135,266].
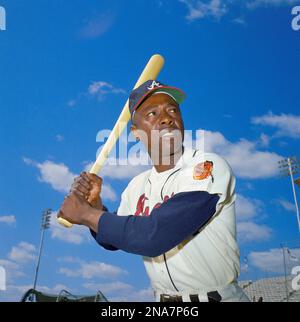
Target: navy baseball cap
[139,95]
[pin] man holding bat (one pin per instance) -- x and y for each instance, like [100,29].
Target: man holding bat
[180,215]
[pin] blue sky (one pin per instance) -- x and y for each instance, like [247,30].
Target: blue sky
[66,69]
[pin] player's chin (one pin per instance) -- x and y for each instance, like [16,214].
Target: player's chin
[170,147]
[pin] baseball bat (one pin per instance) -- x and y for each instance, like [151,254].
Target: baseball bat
[151,71]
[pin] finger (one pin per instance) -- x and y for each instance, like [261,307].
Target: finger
[85,176]
[84,179]
[76,194]
[94,178]
[84,195]
[81,188]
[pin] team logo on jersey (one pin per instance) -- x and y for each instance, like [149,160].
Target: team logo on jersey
[141,210]
[203,171]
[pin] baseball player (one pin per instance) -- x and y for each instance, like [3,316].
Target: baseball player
[179,215]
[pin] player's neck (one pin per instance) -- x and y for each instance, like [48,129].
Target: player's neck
[170,162]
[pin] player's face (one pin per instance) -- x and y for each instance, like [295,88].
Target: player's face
[159,125]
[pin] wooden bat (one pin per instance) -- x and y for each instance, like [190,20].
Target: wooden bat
[151,71]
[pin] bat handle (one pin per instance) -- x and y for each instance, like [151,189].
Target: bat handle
[64,222]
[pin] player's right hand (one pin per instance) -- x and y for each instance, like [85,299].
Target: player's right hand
[89,187]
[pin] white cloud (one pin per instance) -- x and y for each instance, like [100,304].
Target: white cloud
[13,270]
[239,20]
[108,193]
[253,4]
[100,89]
[252,232]
[248,231]
[287,205]
[287,125]
[272,260]
[255,164]
[97,26]
[247,208]
[264,140]
[61,178]
[57,175]
[200,9]
[77,235]
[10,219]
[88,270]
[23,253]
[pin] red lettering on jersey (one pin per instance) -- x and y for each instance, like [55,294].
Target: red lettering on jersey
[141,203]
[157,205]
[146,212]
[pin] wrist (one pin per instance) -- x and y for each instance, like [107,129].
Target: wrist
[91,220]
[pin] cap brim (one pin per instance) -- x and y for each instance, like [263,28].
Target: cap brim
[177,94]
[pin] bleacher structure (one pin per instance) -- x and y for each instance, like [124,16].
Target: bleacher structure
[64,296]
[274,289]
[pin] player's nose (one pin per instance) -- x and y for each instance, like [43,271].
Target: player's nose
[166,119]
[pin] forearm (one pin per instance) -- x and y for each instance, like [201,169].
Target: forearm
[91,220]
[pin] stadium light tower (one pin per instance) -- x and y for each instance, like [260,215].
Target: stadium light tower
[289,167]
[46,217]
[285,273]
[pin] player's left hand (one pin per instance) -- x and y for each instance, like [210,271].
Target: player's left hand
[77,210]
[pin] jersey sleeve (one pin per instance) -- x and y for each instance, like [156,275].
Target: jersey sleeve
[211,174]
[167,226]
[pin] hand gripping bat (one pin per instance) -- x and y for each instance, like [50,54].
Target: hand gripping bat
[151,71]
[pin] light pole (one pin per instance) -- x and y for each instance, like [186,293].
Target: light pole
[289,167]
[285,274]
[45,225]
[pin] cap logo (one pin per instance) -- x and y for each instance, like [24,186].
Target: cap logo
[154,84]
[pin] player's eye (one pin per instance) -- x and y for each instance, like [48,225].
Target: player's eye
[151,113]
[173,110]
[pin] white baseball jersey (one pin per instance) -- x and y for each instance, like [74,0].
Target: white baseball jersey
[208,260]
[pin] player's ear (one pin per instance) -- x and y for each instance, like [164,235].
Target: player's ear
[134,131]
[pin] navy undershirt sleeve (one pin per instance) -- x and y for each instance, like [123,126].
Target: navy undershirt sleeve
[167,226]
